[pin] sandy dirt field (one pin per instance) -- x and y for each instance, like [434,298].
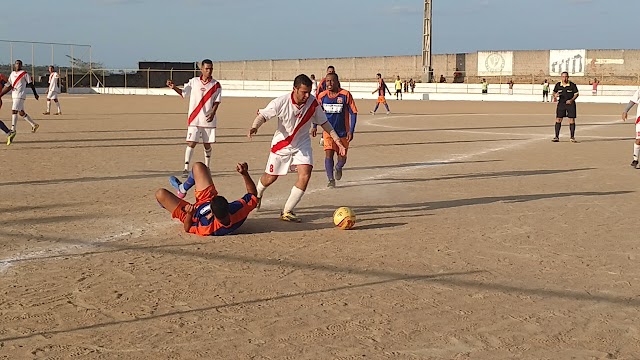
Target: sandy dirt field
[476,238]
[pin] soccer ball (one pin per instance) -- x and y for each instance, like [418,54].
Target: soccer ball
[344,218]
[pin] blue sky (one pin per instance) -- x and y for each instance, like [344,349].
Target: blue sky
[123,32]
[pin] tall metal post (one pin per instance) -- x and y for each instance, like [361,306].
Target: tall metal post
[73,60]
[33,67]
[426,41]
[90,69]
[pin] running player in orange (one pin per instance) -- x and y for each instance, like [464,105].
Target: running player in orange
[342,114]
[211,214]
[382,90]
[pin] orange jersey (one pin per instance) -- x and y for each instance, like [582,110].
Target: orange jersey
[339,108]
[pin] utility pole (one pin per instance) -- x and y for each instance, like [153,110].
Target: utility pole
[426,42]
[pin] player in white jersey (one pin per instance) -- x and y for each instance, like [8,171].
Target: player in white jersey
[204,95]
[54,90]
[18,82]
[291,144]
[635,99]
[10,134]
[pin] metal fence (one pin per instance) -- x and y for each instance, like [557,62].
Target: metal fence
[72,61]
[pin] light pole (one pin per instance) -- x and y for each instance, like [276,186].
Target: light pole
[426,42]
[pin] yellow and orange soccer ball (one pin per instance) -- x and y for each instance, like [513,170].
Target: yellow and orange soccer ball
[344,218]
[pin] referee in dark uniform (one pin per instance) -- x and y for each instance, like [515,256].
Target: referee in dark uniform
[566,93]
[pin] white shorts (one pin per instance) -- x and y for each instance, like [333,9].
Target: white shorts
[52,95]
[284,161]
[638,128]
[18,105]
[207,134]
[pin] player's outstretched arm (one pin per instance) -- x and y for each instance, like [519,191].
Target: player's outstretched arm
[243,169]
[326,126]
[627,109]
[257,122]
[33,88]
[173,87]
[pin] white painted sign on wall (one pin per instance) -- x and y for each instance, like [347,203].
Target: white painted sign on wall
[495,63]
[571,61]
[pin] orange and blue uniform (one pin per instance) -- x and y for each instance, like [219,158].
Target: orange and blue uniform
[342,114]
[382,89]
[205,224]
[3,80]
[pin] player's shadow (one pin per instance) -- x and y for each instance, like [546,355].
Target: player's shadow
[106,114]
[268,222]
[402,211]
[118,131]
[400,131]
[588,140]
[39,220]
[476,176]
[104,146]
[11,208]
[150,174]
[137,139]
[410,165]
[434,143]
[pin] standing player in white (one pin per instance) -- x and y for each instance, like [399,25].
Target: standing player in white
[291,144]
[635,99]
[17,84]
[204,95]
[54,90]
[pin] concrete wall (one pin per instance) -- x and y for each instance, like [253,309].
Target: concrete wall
[529,67]
[616,94]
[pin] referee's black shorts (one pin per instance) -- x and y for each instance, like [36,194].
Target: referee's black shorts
[566,111]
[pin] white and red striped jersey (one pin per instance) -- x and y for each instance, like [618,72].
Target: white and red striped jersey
[54,85]
[19,80]
[202,95]
[294,121]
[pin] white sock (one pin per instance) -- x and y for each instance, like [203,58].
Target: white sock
[187,157]
[29,120]
[58,105]
[48,106]
[261,188]
[294,199]
[14,121]
[636,151]
[207,157]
